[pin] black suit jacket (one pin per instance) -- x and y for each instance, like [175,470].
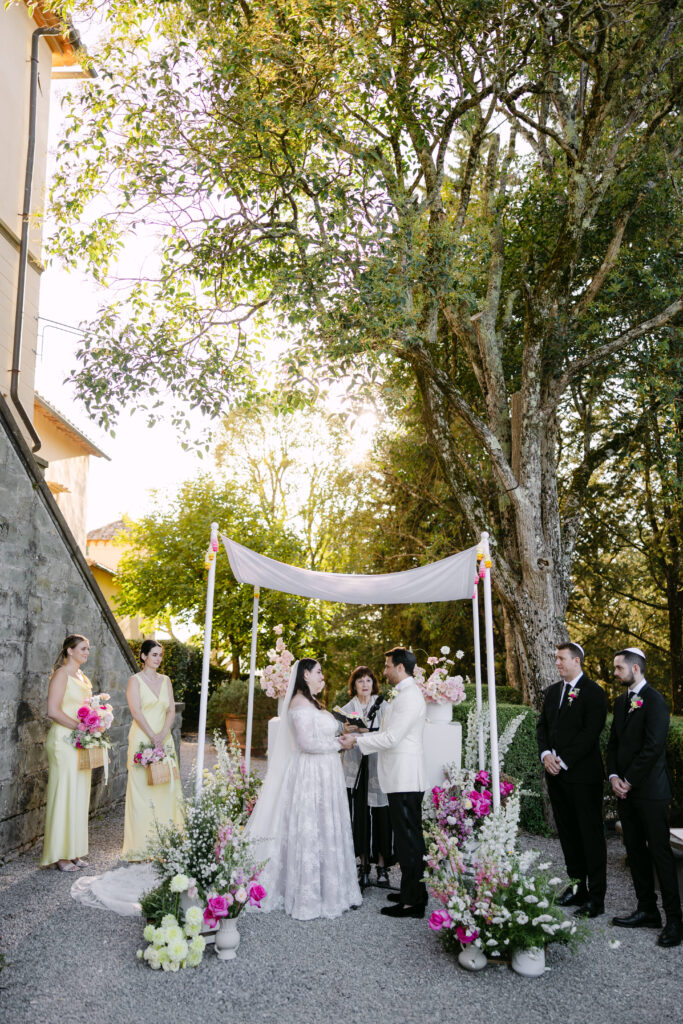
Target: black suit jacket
[573,730]
[637,744]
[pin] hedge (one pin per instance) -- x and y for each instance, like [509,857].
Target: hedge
[183,665]
[521,761]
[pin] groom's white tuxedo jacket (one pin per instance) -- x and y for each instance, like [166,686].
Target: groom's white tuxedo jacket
[399,741]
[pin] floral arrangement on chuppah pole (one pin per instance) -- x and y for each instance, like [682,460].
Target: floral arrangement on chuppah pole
[206,869]
[495,903]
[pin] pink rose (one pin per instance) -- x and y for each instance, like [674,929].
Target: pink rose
[83,712]
[217,906]
[92,721]
[440,919]
[465,936]
[256,894]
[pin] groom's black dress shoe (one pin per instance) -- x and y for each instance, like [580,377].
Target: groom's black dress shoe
[591,908]
[671,935]
[569,898]
[418,911]
[395,897]
[639,919]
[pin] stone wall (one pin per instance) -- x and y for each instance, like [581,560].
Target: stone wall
[46,592]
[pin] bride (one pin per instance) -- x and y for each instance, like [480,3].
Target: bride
[301,820]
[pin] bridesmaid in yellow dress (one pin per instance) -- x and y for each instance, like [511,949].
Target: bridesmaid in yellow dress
[68,788]
[151,703]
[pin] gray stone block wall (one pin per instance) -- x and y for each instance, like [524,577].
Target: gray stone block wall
[46,592]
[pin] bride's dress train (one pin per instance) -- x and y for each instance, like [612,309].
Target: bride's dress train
[118,890]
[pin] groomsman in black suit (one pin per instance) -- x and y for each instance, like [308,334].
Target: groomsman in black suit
[568,733]
[636,764]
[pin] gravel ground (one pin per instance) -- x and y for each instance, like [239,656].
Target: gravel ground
[66,962]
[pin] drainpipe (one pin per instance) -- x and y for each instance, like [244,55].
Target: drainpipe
[23,250]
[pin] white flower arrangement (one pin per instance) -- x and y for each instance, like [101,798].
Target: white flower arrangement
[172,947]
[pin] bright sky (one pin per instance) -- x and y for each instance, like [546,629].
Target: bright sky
[142,458]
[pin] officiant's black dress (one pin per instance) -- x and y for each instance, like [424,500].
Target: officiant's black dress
[372,833]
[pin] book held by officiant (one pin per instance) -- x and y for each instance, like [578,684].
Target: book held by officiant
[349,717]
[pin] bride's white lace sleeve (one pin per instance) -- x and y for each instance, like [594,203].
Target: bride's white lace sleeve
[313,731]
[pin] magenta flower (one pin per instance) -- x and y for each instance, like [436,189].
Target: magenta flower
[437,793]
[482,777]
[465,936]
[83,712]
[256,894]
[440,919]
[217,906]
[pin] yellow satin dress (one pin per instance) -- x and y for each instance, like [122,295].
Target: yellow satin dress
[68,787]
[144,803]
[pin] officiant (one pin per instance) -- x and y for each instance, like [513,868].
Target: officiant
[372,833]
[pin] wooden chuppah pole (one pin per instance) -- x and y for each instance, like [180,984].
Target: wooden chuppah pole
[211,556]
[252,675]
[477,677]
[491,673]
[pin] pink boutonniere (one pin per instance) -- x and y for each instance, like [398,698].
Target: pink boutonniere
[636,702]
[573,694]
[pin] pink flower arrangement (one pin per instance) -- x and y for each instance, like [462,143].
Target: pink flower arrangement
[148,755]
[94,719]
[440,687]
[461,808]
[275,676]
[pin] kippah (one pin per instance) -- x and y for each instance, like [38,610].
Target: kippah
[574,644]
[636,650]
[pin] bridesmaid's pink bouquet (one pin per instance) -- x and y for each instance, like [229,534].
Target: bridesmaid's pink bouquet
[148,755]
[94,720]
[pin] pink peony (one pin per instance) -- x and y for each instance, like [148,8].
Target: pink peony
[465,936]
[440,919]
[482,777]
[256,894]
[83,712]
[92,721]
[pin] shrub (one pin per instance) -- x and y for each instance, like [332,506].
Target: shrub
[183,665]
[504,694]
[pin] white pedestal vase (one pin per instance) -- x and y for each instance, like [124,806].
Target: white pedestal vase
[530,963]
[472,958]
[208,931]
[227,939]
[441,743]
[274,725]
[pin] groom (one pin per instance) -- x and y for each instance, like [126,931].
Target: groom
[399,768]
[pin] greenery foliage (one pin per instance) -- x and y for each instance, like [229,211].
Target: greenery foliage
[183,665]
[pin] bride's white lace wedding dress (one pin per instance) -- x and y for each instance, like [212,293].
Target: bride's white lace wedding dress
[312,867]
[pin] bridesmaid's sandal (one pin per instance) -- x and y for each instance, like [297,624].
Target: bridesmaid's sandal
[80,863]
[65,865]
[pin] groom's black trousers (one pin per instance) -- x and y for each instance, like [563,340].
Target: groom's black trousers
[405,810]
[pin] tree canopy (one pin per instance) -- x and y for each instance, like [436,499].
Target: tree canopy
[454,195]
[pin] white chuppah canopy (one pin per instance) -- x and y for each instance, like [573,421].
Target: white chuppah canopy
[450,579]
